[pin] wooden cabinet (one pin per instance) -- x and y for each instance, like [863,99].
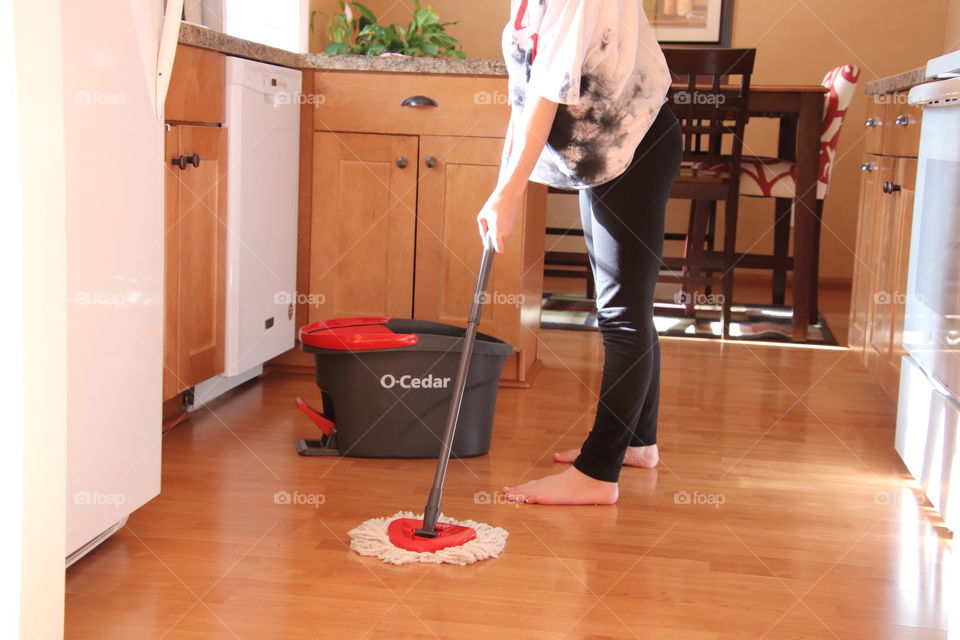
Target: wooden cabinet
[195,258]
[363,226]
[393,193]
[198,85]
[449,249]
[883,241]
[195,228]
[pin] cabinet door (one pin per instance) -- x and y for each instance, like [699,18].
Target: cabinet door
[201,231]
[363,225]
[448,245]
[865,255]
[882,265]
[906,178]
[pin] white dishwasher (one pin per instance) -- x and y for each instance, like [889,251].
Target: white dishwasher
[263,138]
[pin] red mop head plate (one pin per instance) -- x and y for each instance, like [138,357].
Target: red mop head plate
[402,533]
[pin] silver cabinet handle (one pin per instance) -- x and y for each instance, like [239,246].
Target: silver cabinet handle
[890,188]
[419,101]
[872,122]
[903,120]
[868,166]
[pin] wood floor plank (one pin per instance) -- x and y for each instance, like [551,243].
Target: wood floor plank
[780,511]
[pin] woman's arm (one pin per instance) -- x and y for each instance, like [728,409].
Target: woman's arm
[526,138]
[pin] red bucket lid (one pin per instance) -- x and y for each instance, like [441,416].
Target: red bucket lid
[355,334]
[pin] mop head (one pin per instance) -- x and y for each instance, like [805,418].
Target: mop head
[371,539]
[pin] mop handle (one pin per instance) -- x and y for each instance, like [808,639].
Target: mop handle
[432,511]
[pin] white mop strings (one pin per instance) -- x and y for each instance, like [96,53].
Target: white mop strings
[370,539]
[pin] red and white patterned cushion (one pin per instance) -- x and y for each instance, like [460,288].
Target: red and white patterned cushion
[776,178]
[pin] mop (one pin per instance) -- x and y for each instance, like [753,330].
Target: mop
[432,537]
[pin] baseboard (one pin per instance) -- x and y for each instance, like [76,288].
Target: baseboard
[173,413]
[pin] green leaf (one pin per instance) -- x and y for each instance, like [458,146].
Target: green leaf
[336,48]
[366,16]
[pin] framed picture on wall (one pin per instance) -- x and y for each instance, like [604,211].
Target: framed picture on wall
[705,22]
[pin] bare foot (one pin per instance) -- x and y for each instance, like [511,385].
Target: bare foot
[567,487]
[643,457]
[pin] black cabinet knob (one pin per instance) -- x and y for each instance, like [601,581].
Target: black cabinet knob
[891,188]
[183,161]
[402,162]
[431,162]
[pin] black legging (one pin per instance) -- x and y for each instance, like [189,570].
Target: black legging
[623,224]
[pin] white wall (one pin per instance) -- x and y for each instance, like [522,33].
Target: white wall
[33,325]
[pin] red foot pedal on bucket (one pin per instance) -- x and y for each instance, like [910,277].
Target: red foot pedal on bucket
[326,425]
[402,533]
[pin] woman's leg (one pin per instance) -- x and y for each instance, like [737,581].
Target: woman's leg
[626,221]
[623,226]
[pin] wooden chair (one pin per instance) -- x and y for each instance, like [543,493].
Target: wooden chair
[762,177]
[709,96]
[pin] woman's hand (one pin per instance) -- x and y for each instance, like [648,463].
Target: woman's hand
[498,217]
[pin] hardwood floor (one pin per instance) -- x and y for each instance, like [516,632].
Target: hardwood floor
[780,510]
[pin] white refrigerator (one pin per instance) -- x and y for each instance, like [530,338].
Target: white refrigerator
[116,66]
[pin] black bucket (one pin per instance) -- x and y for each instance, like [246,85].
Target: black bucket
[387,385]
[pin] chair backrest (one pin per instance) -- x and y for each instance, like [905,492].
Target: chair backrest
[709,95]
[842,85]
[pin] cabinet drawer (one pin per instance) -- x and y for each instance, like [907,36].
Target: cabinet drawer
[367,102]
[901,135]
[197,87]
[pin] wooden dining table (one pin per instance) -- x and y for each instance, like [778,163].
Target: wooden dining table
[799,108]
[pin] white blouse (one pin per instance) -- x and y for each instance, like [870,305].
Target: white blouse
[600,60]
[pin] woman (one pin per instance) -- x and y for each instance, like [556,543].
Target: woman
[588,83]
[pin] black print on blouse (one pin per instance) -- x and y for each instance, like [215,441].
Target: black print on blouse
[585,135]
[592,141]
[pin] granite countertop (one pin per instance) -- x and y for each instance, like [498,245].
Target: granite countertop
[199,36]
[898,82]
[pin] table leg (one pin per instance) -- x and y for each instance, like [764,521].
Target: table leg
[808,166]
[786,149]
[815,277]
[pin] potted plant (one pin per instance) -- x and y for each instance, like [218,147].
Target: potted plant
[356,30]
